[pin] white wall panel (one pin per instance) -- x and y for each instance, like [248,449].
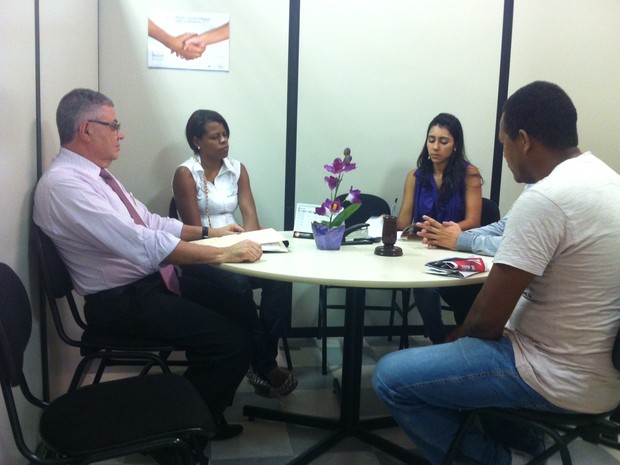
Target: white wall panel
[575,45]
[18,169]
[373,75]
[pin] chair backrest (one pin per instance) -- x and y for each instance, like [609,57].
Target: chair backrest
[372,205]
[172,209]
[54,270]
[57,283]
[490,212]
[15,328]
[615,353]
[15,325]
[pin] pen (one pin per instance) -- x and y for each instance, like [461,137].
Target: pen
[394,206]
[303,235]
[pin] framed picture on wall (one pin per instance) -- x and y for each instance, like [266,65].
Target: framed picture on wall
[189,40]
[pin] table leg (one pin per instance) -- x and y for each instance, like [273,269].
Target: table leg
[352,353]
[349,423]
[352,350]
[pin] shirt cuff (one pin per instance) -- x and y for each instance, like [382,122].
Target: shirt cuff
[464,242]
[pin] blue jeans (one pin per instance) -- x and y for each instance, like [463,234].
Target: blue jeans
[426,390]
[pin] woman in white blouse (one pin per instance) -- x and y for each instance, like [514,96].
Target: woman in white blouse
[208,188]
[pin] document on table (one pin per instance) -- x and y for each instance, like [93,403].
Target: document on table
[305,214]
[269,239]
[375,226]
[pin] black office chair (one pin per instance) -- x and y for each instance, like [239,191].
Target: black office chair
[173,213]
[172,209]
[156,414]
[372,205]
[560,428]
[490,212]
[94,346]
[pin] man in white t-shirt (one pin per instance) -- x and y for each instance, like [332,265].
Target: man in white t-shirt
[540,333]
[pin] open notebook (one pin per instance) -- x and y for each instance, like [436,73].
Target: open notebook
[269,239]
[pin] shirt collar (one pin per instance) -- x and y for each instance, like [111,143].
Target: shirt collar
[79,161]
[226,166]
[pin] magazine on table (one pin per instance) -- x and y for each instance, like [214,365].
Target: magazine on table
[459,267]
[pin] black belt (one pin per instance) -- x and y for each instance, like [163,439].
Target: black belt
[120,290]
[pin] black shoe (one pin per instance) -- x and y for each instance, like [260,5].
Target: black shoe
[225,431]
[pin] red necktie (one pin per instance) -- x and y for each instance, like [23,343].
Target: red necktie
[167,272]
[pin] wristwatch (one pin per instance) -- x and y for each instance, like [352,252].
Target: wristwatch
[205,232]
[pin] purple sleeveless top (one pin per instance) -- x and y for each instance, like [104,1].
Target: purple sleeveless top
[426,195]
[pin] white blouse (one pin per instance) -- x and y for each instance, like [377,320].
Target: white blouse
[223,191]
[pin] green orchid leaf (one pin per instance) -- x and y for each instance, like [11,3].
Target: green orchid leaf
[344,214]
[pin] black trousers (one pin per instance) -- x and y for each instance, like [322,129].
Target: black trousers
[214,328]
[275,303]
[460,299]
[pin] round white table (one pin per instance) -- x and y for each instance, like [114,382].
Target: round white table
[355,267]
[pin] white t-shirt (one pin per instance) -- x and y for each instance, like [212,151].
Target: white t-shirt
[223,192]
[565,230]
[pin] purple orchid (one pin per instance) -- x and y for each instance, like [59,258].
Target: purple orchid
[329,207]
[332,207]
[331,181]
[354,196]
[339,166]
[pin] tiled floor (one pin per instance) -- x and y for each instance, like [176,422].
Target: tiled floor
[273,443]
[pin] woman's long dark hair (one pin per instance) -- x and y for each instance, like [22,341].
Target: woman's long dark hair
[454,174]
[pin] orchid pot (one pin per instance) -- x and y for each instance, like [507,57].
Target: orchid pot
[327,238]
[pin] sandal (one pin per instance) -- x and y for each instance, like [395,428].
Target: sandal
[287,386]
[261,385]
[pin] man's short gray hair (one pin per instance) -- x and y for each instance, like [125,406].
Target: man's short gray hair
[75,107]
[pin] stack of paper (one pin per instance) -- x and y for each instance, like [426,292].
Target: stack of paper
[460,267]
[269,239]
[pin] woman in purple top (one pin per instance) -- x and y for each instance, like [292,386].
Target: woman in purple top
[446,187]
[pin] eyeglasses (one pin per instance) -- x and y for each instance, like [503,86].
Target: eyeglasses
[114,125]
